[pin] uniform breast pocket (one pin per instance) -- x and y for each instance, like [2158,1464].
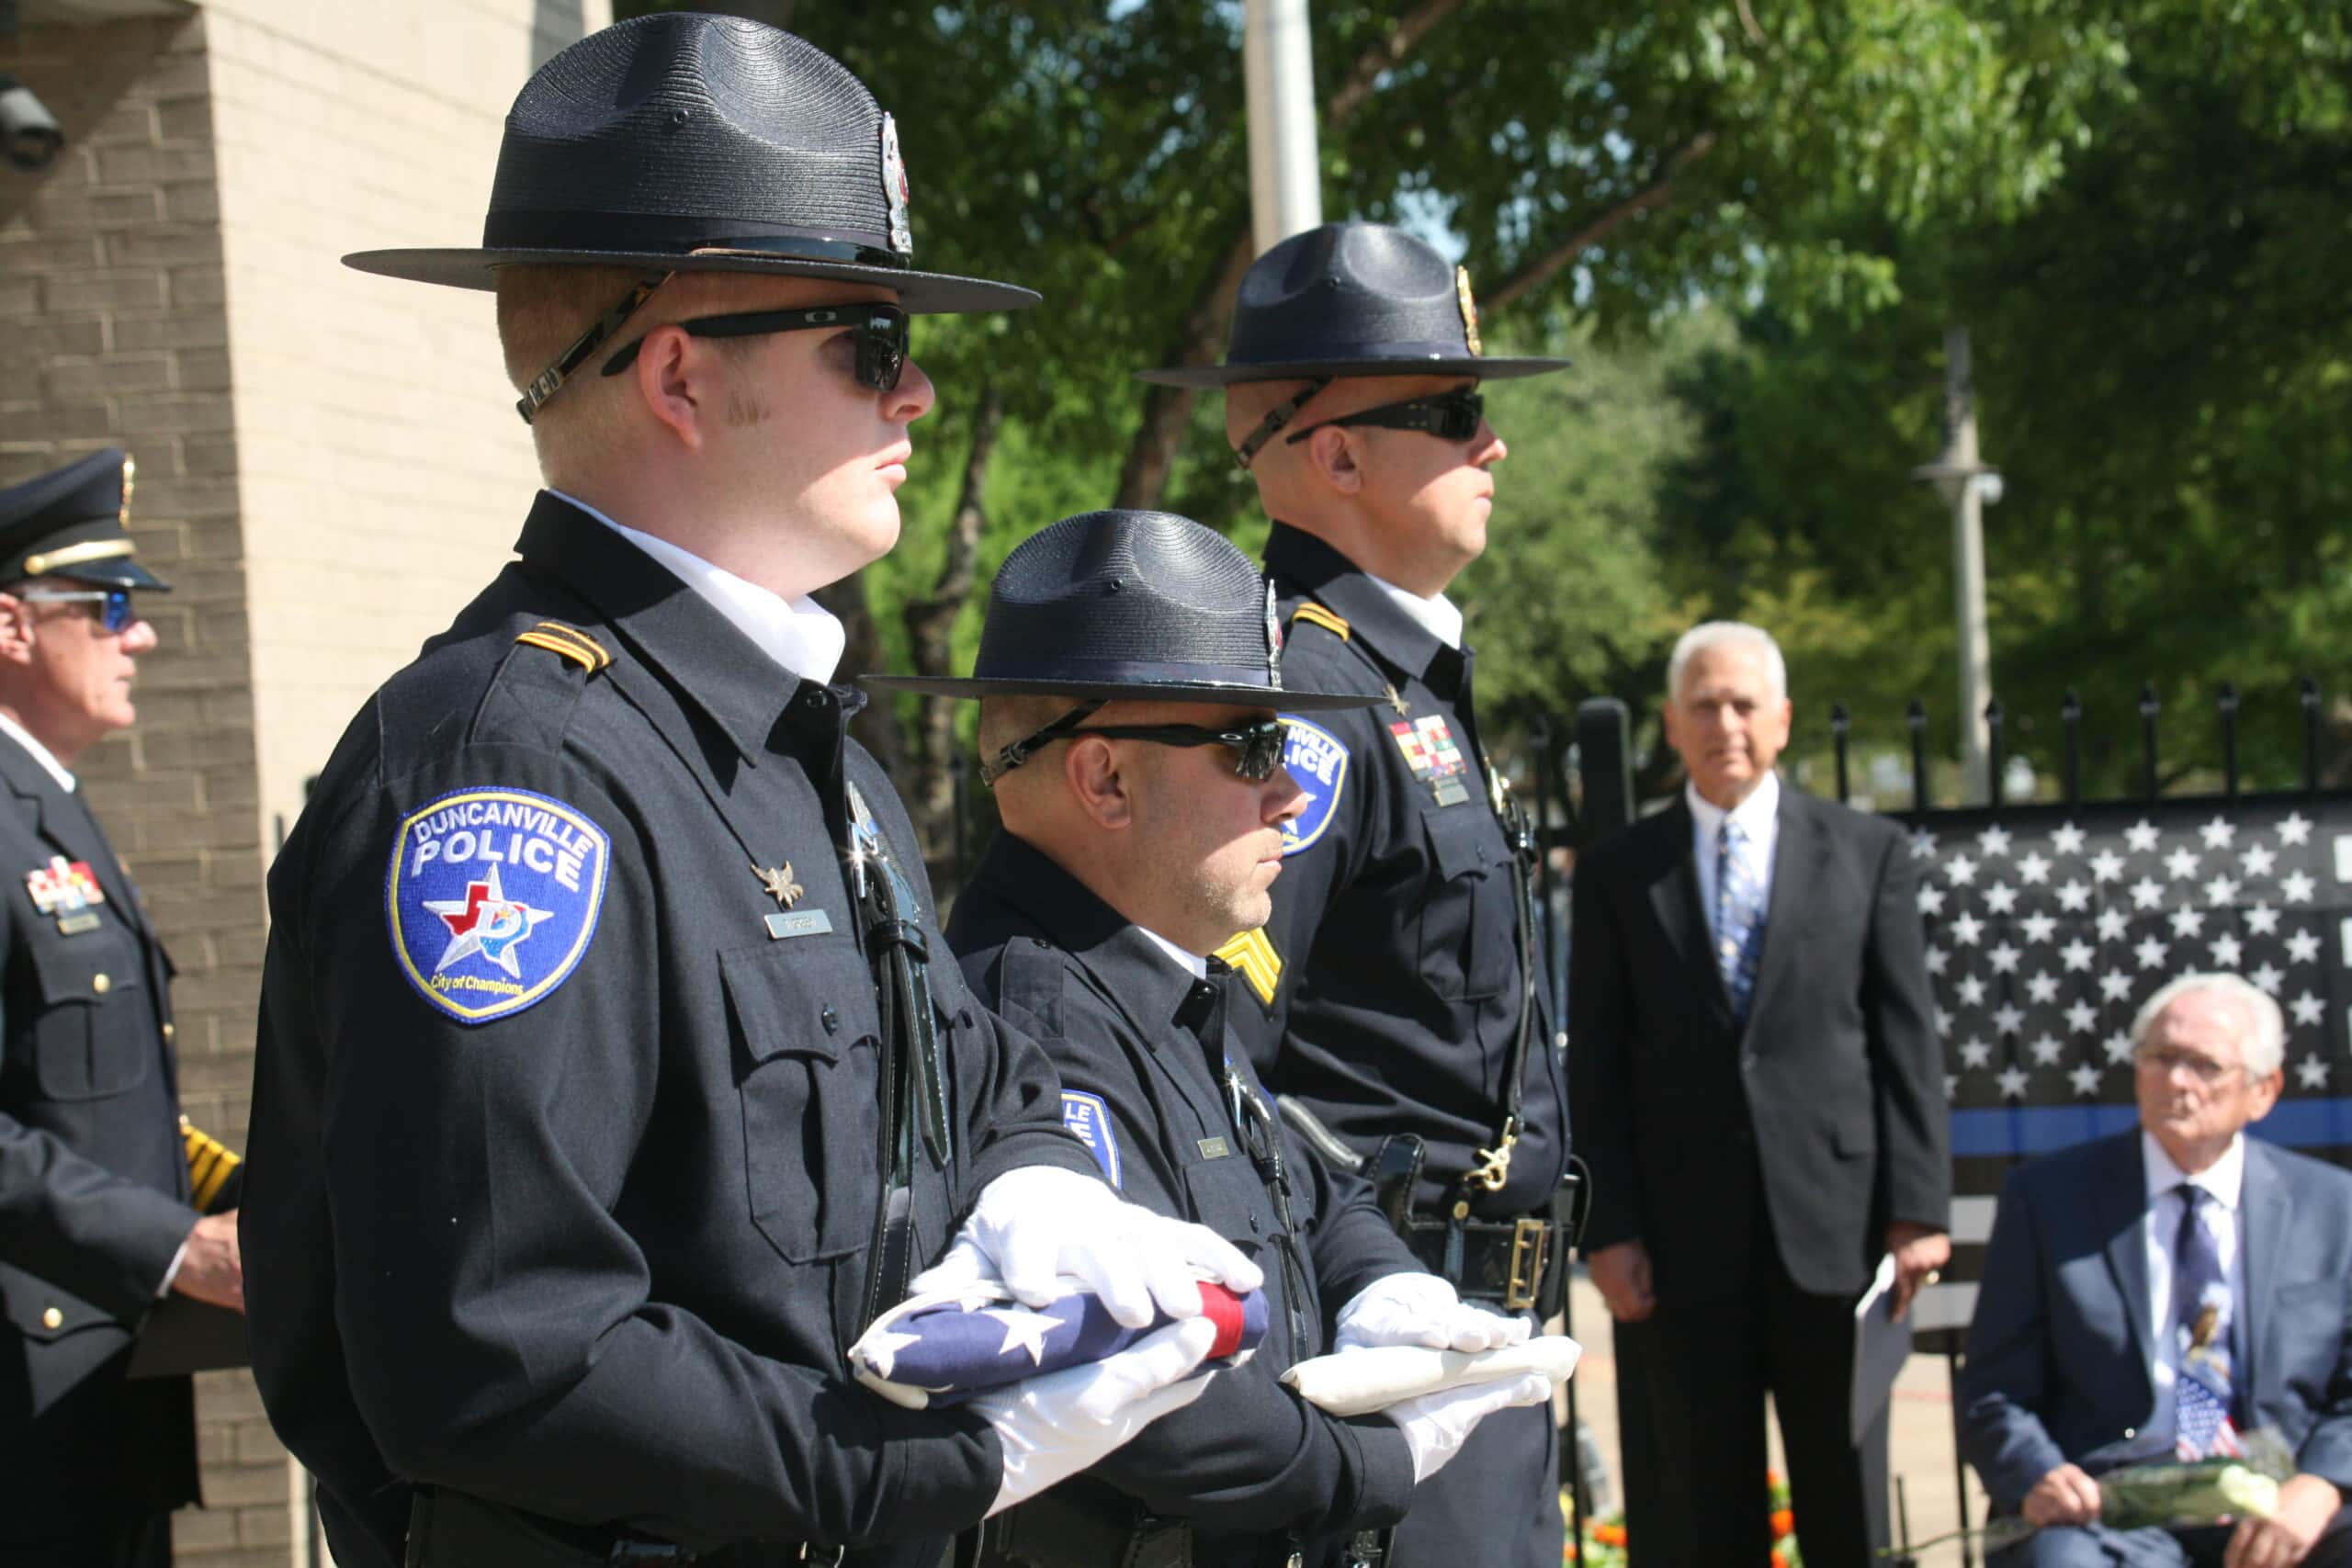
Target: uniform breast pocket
[1467,927]
[94,1034]
[1226,1197]
[802,1016]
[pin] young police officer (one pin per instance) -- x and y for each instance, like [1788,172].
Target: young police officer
[606,1089]
[1397,1003]
[1128,673]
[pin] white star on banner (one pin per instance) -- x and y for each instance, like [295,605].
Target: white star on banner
[2142,837]
[2082,1018]
[2008,1018]
[2268,977]
[2042,987]
[2150,952]
[1969,990]
[1975,1054]
[2000,899]
[2046,1050]
[2039,927]
[2308,1009]
[882,1348]
[2034,868]
[2227,950]
[1943,1024]
[2311,1073]
[2187,922]
[1966,929]
[1994,840]
[1023,1330]
[2074,895]
[2262,919]
[2115,985]
[2295,829]
[2118,1046]
[2221,890]
[2147,894]
[2296,887]
[2181,864]
[2012,1080]
[2218,833]
[1951,1087]
[2005,958]
[1931,898]
[1938,960]
[2302,947]
[2068,839]
[2257,860]
[1923,845]
[2112,924]
[2078,954]
[2107,866]
[2084,1079]
[1962,870]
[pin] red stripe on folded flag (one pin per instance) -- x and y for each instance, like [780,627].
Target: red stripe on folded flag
[1223,1308]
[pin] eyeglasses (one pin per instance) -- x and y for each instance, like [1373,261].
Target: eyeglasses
[879,330]
[1449,416]
[1257,748]
[2204,1069]
[114,615]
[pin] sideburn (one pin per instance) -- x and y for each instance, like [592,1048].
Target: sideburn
[744,411]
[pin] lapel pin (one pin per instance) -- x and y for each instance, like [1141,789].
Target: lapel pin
[779,883]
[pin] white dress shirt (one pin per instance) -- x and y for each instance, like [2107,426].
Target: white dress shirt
[1192,962]
[2225,1180]
[1759,818]
[1438,614]
[800,634]
[41,754]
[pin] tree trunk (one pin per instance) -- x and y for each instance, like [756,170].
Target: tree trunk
[1540,270]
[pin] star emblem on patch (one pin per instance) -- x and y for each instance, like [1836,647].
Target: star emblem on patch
[485,921]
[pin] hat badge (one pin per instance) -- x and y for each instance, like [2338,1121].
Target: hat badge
[894,187]
[1469,309]
[129,470]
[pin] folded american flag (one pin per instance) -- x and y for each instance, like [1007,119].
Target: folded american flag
[946,1348]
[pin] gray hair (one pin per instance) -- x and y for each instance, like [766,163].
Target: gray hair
[1719,634]
[2264,1038]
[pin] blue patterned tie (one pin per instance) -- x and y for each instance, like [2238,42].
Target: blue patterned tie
[2202,1314]
[1739,916]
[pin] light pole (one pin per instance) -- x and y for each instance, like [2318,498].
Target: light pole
[1967,485]
[1278,71]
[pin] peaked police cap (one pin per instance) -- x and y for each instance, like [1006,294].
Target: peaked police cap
[72,521]
[1140,606]
[1351,299]
[681,142]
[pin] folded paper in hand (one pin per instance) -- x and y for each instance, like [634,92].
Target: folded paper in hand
[1373,1377]
[943,1347]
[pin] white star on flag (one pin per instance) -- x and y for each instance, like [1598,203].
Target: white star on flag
[2068,839]
[2008,1018]
[2308,1009]
[1938,960]
[2107,866]
[2218,833]
[2042,987]
[2295,829]
[2312,1073]
[2302,947]
[2000,899]
[2262,919]
[2005,958]
[1975,1053]
[2296,887]
[2115,985]
[2257,860]
[2074,895]
[1994,840]
[2142,837]
[2082,1018]
[1943,1024]
[1931,898]
[2150,952]
[2227,950]
[1970,991]
[2187,922]
[2181,864]
[2084,1079]
[2118,1046]
[1966,929]
[2012,1081]
[2112,924]
[2035,869]
[2221,890]
[2037,927]
[1923,845]
[1023,1330]
[2147,894]
[882,1348]
[2077,954]
[2268,977]
[2046,1050]
[1962,870]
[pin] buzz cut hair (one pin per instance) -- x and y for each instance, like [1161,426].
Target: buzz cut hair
[1722,634]
[2263,1038]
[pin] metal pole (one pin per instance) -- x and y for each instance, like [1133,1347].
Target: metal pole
[1278,71]
[1968,557]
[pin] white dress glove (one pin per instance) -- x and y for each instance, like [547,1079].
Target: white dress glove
[1055,1425]
[1436,1425]
[1422,1309]
[1039,1223]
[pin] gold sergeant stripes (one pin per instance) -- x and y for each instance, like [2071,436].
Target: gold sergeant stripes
[210,1163]
[1314,615]
[1257,962]
[570,641]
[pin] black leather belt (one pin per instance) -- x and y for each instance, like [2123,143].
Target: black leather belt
[456,1530]
[1510,1261]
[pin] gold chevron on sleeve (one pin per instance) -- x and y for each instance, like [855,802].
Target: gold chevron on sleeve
[1253,956]
[210,1163]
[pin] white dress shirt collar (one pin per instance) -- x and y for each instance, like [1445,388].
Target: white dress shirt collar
[41,754]
[1193,963]
[800,634]
[1758,816]
[2223,1180]
[1437,614]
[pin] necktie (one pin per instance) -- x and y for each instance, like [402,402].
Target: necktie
[1739,916]
[2201,1313]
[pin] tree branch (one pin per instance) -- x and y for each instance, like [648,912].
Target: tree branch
[1540,270]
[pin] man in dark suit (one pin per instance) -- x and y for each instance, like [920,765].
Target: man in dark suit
[1758,1090]
[2157,1294]
[100,1204]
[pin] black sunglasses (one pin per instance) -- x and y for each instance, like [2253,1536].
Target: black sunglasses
[1257,748]
[1449,416]
[880,332]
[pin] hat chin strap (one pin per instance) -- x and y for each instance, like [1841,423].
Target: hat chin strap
[1281,414]
[550,381]
[1020,751]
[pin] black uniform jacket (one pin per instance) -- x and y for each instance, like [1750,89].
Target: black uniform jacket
[598,1257]
[93,1179]
[1134,1034]
[1396,922]
[1831,1097]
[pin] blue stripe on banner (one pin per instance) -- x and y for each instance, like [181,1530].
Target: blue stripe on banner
[2038,1129]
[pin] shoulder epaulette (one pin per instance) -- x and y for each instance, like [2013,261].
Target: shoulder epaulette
[570,641]
[1314,615]
[1252,955]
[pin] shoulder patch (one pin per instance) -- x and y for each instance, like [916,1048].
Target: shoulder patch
[1089,1120]
[570,641]
[1251,955]
[1314,615]
[491,897]
[1317,760]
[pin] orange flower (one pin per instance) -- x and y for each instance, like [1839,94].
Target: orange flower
[1784,1522]
[1772,1479]
[1609,1535]
[1780,1558]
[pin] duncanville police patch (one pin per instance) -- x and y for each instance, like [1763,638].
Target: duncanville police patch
[1319,764]
[1089,1120]
[491,897]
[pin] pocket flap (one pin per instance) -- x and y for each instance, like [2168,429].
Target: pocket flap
[82,969]
[1458,840]
[809,996]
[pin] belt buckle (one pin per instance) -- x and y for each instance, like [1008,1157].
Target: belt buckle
[1531,1248]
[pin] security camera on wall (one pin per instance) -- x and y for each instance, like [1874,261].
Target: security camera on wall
[30,135]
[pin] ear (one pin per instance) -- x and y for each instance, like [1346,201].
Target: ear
[1331,457]
[2264,1096]
[16,630]
[674,378]
[1091,769]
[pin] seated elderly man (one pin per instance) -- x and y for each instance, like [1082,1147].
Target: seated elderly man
[2159,1292]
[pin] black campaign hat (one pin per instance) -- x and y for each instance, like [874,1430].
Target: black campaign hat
[73,522]
[680,142]
[1138,606]
[1351,299]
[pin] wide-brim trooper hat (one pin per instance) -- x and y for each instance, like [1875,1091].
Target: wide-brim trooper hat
[1134,606]
[1352,299]
[680,142]
[73,522]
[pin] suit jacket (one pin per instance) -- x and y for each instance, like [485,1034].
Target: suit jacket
[2060,1365]
[94,1179]
[1831,1097]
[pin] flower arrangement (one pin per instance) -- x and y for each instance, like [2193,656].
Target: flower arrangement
[1604,1543]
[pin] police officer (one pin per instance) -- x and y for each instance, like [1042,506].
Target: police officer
[606,1089]
[1398,1004]
[1127,677]
[101,1213]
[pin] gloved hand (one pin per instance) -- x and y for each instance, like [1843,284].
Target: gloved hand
[1422,1309]
[1055,1425]
[1436,1425]
[1038,1223]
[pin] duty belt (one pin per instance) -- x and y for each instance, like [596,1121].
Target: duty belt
[456,1529]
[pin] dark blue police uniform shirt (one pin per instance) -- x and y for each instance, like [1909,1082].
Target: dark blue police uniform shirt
[1143,1050]
[1396,923]
[563,1169]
